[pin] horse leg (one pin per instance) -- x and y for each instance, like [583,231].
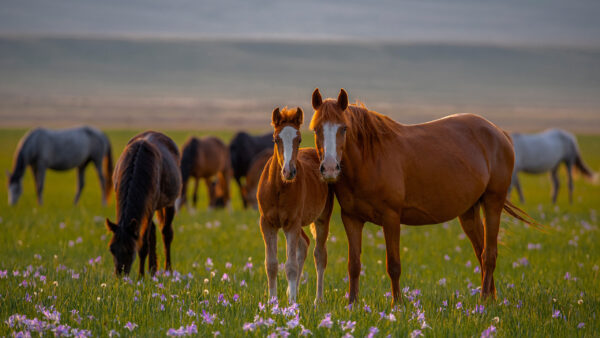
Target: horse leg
[209,190]
[570,180]
[353,229]
[473,228]
[101,178]
[239,183]
[152,259]
[517,183]
[167,234]
[493,203]
[301,253]
[391,233]
[80,182]
[321,231]
[40,176]
[555,184]
[143,251]
[269,234]
[195,193]
[292,236]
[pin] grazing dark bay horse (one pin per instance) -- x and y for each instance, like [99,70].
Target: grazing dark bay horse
[60,150]
[208,159]
[291,195]
[253,177]
[546,151]
[242,150]
[147,180]
[391,174]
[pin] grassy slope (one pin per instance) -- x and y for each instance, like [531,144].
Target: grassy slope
[540,287]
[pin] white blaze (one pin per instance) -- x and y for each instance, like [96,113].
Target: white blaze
[329,135]
[287,135]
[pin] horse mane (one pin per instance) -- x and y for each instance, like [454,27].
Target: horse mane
[188,154]
[367,127]
[137,181]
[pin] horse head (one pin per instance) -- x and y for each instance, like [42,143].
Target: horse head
[15,188]
[123,245]
[329,126]
[287,138]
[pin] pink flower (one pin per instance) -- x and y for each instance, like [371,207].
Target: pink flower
[130,326]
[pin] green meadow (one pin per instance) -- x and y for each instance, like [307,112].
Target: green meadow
[56,273]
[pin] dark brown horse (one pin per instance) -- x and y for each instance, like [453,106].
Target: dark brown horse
[147,180]
[391,174]
[208,159]
[253,177]
[292,195]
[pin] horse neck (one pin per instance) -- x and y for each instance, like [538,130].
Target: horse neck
[24,155]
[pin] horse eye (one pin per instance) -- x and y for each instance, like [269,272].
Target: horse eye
[344,128]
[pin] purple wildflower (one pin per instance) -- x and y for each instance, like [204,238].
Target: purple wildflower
[416,333]
[207,318]
[130,326]
[459,305]
[489,332]
[373,330]
[581,325]
[556,314]
[326,322]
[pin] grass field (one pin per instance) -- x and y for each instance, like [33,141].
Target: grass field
[56,267]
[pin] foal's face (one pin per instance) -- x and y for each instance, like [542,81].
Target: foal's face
[287,140]
[330,133]
[122,247]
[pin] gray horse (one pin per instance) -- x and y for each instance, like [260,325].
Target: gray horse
[61,150]
[539,153]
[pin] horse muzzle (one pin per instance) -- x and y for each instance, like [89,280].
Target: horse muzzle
[330,171]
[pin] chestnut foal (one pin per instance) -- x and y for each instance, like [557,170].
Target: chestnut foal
[292,194]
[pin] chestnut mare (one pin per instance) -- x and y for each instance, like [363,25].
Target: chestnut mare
[291,194]
[388,173]
[206,158]
[253,177]
[147,179]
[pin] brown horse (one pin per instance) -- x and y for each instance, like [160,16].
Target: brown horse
[388,173]
[147,180]
[291,194]
[253,177]
[206,158]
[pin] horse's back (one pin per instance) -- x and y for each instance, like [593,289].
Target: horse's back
[167,162]
[447,165]
[244,147]
[540,152]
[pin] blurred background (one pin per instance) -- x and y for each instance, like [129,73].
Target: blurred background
[185,64]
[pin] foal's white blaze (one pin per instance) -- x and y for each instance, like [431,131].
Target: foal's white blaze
[329,135]
[287,135]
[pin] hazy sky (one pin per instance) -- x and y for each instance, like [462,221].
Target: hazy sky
[552,22]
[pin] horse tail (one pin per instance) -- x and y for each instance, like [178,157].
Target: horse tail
[583,168]
[138,179]
[108,168]
[521,215]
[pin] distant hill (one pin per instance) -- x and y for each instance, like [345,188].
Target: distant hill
[229,83]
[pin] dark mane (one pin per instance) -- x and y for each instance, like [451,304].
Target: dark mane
[367,127]
[137,181]
[188,154]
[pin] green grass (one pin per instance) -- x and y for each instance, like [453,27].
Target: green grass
[58,239]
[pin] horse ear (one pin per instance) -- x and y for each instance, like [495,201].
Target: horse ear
[317,100]
[299,117]
[275,117]
[343,99]
[110,225]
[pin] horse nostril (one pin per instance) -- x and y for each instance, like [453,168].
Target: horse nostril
[294,172]
[337,167]
[322,169]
